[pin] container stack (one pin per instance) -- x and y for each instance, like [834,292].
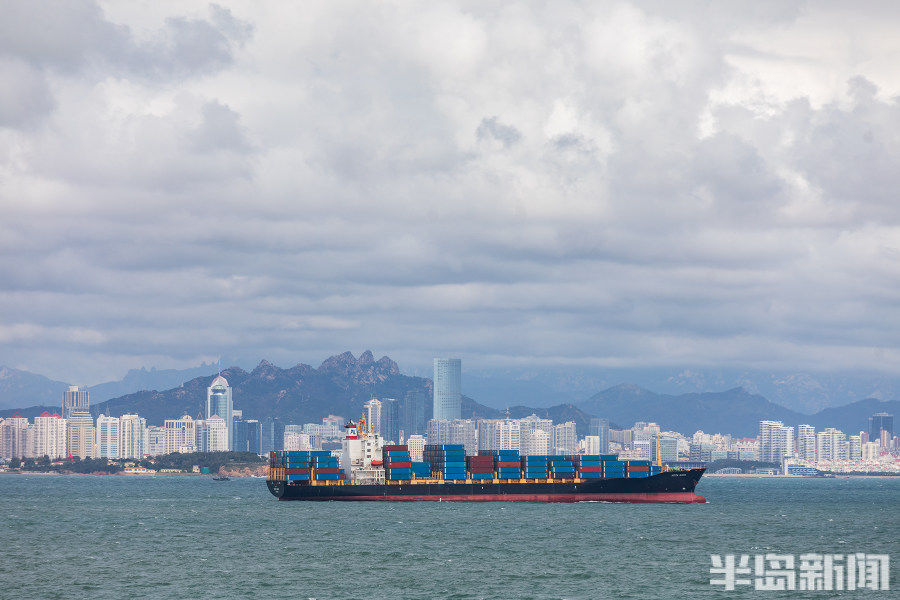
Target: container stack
[397,462]
[447,460]
[588,466]
[480,467]
[508,464]
[655,470]
[421,470]
[613,468]
[638,468]
[324,465]
[561,467]
[296,464]
[534,467]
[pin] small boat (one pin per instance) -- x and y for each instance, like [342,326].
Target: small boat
[222,478]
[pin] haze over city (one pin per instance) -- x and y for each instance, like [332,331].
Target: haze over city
[602,185]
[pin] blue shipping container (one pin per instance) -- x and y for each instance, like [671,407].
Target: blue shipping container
[327,476]
[482,475]
[298,477]
[592,475]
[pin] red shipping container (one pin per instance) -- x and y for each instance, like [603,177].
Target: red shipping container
[398,465]
[508,463]
[327,471]
[638,469]
[296,471]
[392,447]
[591,469]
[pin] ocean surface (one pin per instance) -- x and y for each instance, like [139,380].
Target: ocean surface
[118,537]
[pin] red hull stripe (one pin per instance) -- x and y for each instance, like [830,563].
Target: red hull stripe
[677,497]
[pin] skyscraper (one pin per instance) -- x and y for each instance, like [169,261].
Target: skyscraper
[75,399]
[775,441]
[600,428]
[806,442]
[831,444]
[49,436]
[373,416]
[218,402]
[447,388]
[390,420]
[880,422]
[133,437]
[180,435]
[80,434]
[12,437]
[107,437]
[412,413]
[272,435]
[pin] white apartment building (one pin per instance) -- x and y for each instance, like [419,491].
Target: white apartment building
[180,435]
[133,437]
[49,436]
[776,441]
[806,442]
[107,437]
[416,445]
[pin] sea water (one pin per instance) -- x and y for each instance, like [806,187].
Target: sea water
[117,537]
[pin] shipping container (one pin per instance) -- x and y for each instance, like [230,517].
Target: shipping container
[592,475]
[327,476]
[297,471]
[591,469]
[297,477]
[327,471]
[638,463]
[641,474]
[392,447]
[398,465]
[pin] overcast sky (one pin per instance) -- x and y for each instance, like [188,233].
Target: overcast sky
[606,184]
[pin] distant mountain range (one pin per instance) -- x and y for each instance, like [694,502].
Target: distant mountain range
[734,411]
[342,383]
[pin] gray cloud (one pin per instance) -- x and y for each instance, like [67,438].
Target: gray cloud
[570,184]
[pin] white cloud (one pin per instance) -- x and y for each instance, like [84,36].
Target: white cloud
[585,183]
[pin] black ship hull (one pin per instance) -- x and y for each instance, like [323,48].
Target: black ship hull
[671,486]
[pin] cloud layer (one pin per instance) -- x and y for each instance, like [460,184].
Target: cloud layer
[606,184]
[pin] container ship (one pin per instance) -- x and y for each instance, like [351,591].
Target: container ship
[368,469]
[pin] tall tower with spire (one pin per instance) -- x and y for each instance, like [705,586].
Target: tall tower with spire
[218,402]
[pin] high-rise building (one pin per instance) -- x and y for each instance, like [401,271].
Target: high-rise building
[855,447]
[498,434]
[219,402]
[272,435]
[390,420]
[831,445]
[373,416]
[600,428]
[80,434]
[133,438]
[881,422]
[181,435]
[457,431]
[297,441]
[776,442]
[74,399]
[412,413]
[806,442]
[217,434]
[107,436]
[49,436]
[535,441]
[447,388]
[416,445]
[668,448]
[565,440]
[156,440]
[13,437]
[247,435]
